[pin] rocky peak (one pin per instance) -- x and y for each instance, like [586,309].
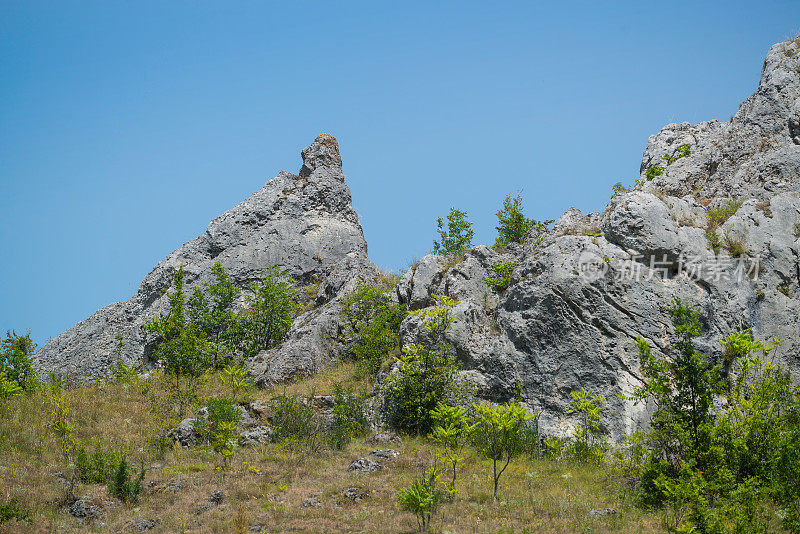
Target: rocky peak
[303,224]
[322,154]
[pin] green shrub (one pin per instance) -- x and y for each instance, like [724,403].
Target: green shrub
[619,189]
[457,239]
[8,388]
[211,310]
[736,246]
[349,417]
[588,445]
[422,498]
[14,511]
[98,467]
[797,230]
[295,419]
[503,270]
[653,171]
[221,411]
[180,348]
[125,483]
[496,433]
[514,226]
[683,151]
[268,314]
[15,359]
[451,431]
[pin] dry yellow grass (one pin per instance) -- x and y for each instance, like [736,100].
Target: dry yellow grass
[267,486]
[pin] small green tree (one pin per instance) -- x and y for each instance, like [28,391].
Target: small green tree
[15,359]
[497,434]
[503,270]
[427,375]
[514,226]
[180,347]
[422,498]
[125,483]
[452,430]
[588,444]
[458,236]
[211,309]
[269,313]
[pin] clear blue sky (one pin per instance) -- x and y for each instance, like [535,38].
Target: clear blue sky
[126,126]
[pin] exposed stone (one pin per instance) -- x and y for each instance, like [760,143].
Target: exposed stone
[603,512]
[304,224]
[364,465]
[260,435]
[216,497]
[87,507]
[385,454]
[580,298]
[184,433]
[141,524]
[384,437]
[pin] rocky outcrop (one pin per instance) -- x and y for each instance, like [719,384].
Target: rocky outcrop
[303,224]
[580,298]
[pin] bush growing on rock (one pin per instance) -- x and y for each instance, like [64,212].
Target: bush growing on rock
[503,270]
[427,374]
[514,226]
[457,239]
[211,309]
[375,322]
[269,313]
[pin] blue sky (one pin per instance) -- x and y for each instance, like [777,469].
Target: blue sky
[125,127]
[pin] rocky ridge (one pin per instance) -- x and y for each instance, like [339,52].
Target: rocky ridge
[580,297]
[304,224]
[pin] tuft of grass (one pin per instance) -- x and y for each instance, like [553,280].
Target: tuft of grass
[716,218]
[797,230]
[735,245]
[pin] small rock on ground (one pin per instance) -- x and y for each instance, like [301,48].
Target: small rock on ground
[364,465]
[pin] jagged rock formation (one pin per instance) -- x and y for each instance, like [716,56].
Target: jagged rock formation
[303,223]
[579,298]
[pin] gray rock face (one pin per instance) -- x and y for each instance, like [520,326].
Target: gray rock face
[580,298]
[303,223]
[260,435]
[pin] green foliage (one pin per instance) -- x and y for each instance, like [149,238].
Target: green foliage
[797,230]
[497,434]
[451,430]
[652,172]
[427,375]
[375,322]
[15,359]
[211,310]
[294,419]
[180,348]
[683,151]
[736,246]
[716,218]
[125,483]
[503,270]
[218,429]
[458,236]
[710,467]
[61,428]
[8,388]
[619,189]
[422,498]
[235,377]
[14,511]
[119,371]
[98,467]
[349,417]
[269,313]
[514,226]
[588,445]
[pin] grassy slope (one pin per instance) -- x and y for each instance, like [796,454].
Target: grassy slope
[267,485]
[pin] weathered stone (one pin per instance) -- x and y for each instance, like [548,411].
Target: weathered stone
[384,437]
[260,435]
[304,224]
[385,454]
[364,465]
